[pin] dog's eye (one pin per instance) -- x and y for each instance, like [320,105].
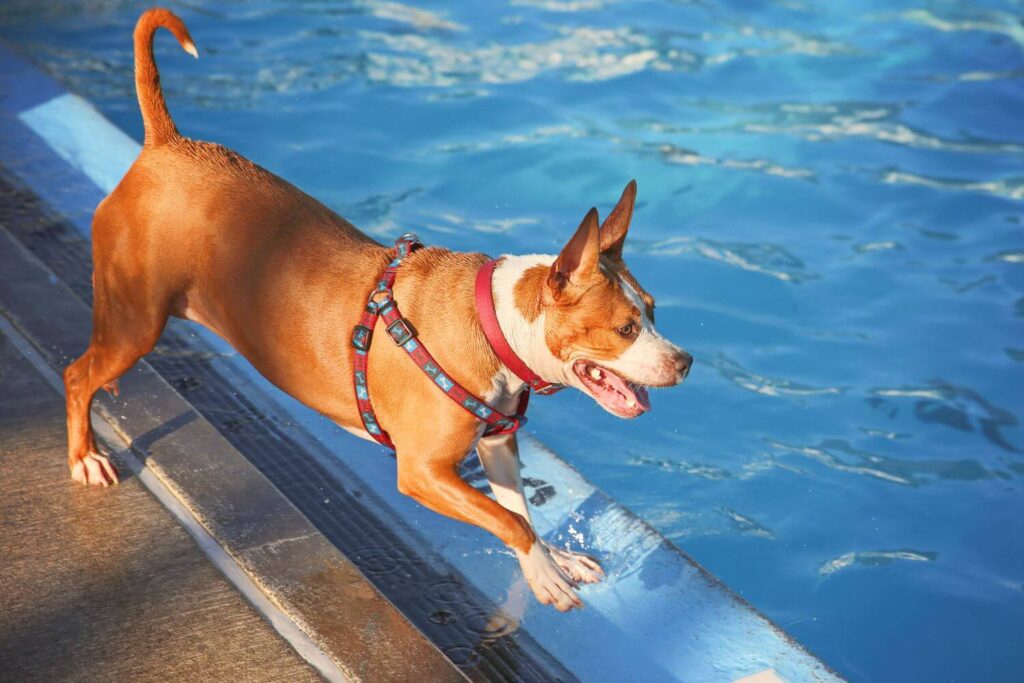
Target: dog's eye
[628,330]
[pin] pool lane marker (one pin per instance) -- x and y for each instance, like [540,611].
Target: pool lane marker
[281,622]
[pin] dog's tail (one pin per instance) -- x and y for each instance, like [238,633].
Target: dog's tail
[155,118]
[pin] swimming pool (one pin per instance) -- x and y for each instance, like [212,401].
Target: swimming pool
[829,217]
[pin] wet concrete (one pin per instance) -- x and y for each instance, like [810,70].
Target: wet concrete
[102,584]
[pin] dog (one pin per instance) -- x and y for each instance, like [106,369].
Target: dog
[196,231]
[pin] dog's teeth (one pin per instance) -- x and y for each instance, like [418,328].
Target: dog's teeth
[596,374]
[631,403]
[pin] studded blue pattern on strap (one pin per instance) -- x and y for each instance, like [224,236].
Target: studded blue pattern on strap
[381,304]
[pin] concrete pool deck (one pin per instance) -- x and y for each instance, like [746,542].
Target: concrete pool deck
[310,594]
[329,555]
[104,583]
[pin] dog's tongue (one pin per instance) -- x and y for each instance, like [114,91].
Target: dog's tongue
[628,391]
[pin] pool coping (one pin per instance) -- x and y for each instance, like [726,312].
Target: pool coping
[214,489]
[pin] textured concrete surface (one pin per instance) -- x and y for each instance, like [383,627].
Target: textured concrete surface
[102,584]
[296,566]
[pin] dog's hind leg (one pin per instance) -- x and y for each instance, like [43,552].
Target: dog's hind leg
[124,330]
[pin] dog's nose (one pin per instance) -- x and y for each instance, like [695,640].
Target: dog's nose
[683,361]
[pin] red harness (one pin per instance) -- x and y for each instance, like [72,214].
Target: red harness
[381,304]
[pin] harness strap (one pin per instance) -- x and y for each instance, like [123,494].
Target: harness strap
[381,304]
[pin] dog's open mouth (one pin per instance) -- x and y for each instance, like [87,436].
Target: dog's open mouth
[618,396]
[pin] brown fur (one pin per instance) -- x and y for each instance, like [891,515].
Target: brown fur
[584,305]
[196,231]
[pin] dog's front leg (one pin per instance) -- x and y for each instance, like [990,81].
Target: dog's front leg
[500,457]
[428,474]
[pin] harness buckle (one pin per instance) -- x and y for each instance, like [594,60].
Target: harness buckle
[400,332]
[361,336]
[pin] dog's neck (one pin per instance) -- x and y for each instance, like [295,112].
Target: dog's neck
[525,336]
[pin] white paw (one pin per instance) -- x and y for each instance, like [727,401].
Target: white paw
[577,566]
[549,583]
[94,469]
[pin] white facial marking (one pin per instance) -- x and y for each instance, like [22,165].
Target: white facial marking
[645,359]
[526,337]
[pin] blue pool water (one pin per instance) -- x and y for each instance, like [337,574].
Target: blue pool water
[830,216]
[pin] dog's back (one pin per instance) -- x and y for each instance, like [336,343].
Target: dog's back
[196,231]
[191,216]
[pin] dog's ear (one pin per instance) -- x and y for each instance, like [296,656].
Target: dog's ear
[579,257]
[613,232]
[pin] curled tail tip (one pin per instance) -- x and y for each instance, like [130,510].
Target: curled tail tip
[190,48]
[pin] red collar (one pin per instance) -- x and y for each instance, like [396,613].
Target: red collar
[496,338]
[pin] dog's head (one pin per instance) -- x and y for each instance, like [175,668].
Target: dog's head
[598,322]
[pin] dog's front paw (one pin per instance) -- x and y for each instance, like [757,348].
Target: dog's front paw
[577,566]
[95,469]
[549,583]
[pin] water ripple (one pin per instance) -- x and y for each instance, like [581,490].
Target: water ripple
[706,471]
[831,121]
[853,126]
[693,469]
[746,525]
[766,386]
[679,155]
[413,16]
[976,76]
[1010,188]
[564,5]
[535,135]
[882,245]
[839,455]
[996,22]
[768,42]
[1009,256]
[374,214]
[756,257]
[875,558]
[453,223]
[951,405]
[584,54]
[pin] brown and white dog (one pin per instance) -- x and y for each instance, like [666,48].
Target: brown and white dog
[198,232]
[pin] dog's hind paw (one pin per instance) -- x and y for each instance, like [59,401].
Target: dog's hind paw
[579,567]
[94,469]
